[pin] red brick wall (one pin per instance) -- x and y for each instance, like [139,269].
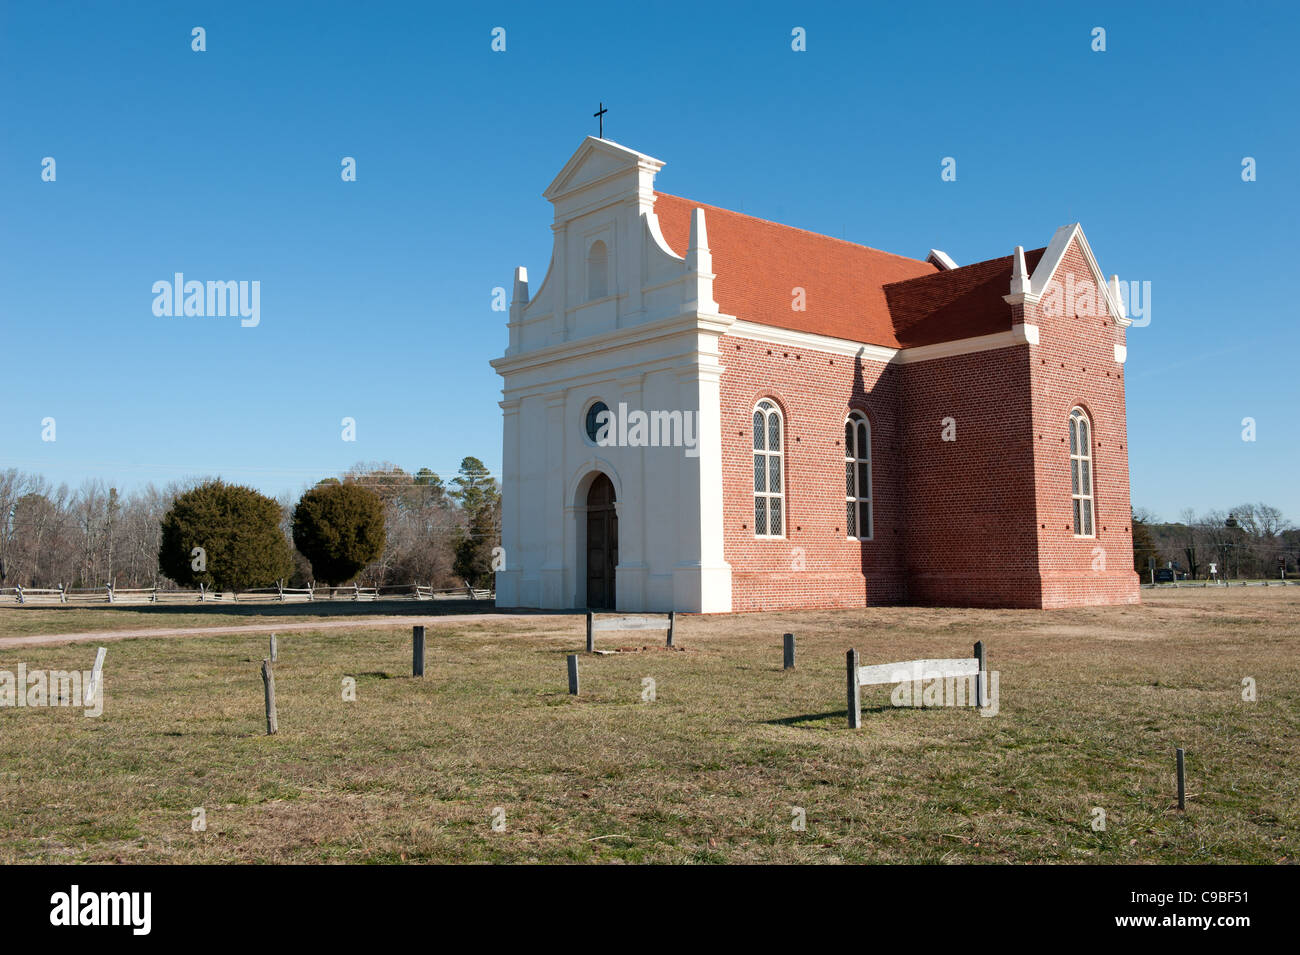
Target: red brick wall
[970,508]
[814,391]
[1074,364]
[984,520]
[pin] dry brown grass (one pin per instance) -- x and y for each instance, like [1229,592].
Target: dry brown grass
[1093,703]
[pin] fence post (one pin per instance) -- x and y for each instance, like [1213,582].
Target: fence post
[268,681]
[63,594]
[21,598]
[672,619]
[96,674]
[417,651]
[109,588]
[1182,780]
[982,675]
[573,674]
[855,697]
[279,588]
[788,654]
[591,646]
[275,650]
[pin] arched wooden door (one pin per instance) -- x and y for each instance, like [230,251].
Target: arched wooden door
[602,544]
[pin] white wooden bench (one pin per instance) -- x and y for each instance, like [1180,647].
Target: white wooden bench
[913,671]
[626,622]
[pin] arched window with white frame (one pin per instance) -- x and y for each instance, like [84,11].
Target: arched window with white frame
[857,475]
[1081,473]
[769,471]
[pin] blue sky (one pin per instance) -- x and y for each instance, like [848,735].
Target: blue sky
[375,295]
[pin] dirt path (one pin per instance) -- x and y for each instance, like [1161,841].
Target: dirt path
[354,622]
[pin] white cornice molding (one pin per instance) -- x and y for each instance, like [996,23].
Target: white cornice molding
[586,378]
[700,371]
[1016,335]
[771,335]
[691,322]
[1022,334]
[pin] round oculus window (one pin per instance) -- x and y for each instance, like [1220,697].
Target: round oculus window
[594,419]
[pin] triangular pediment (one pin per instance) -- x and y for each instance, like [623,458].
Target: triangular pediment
[1051,259]
[596,161]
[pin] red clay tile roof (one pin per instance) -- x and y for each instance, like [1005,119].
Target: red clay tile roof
[959,303]
[853,292]
[759,263]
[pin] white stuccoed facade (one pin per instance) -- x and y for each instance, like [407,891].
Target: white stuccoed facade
[643,330]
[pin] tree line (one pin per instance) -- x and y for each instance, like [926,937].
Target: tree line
[1248,541]
[376,525]
[385,526]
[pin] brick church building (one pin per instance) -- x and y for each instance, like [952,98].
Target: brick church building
[706,411]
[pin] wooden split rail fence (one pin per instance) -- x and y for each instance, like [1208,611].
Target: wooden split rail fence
[277,594]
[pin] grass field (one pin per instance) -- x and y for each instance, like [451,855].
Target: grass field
[1092,704]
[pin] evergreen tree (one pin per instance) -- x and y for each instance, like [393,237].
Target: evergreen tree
[1144,547]
[474,488]
[340,529]
[475,547]
[237,532]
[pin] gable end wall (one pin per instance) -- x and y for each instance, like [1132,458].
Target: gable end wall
[1075,364]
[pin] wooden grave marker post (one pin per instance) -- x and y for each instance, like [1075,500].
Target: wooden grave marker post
[268,681]
[417,651]
[1182,779]
[573,674]
[855,693]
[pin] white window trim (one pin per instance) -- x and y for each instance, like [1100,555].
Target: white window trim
[780,455]
[856,459]
[1086,494]
[582,421]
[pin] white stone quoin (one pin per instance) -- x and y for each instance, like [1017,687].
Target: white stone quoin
[618,318]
